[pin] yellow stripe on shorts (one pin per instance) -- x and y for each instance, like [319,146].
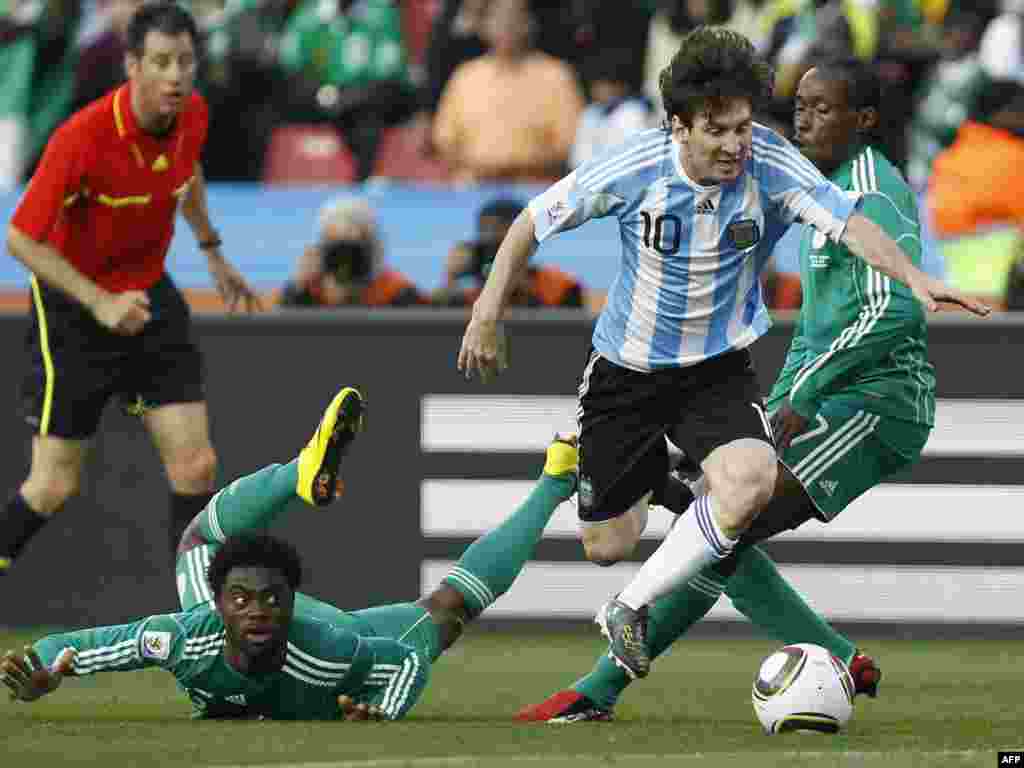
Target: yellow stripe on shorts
[44,345]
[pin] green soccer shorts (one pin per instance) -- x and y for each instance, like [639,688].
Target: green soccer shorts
[846,451]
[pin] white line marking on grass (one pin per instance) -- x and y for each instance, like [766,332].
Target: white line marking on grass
[454,761]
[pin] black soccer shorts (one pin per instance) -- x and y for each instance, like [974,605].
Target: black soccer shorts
[75,365]
[624,416]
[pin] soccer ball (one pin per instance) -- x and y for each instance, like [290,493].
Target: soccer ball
[803,687]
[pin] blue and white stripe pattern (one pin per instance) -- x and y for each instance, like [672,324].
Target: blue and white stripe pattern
[719,546]
[688,285]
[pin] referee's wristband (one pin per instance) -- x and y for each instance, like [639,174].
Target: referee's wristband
[207,245]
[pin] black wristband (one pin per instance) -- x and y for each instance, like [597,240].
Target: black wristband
[205,245]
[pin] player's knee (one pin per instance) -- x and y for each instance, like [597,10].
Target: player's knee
[47,489]
[193,470]
[743,475]
[605,547]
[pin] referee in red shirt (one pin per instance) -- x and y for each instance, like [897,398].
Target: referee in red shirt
[93,228]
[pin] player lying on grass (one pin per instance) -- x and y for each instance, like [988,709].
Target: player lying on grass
[248,645]
[854,403]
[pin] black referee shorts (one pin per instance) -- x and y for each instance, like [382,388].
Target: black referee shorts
[624,416]
[76,365]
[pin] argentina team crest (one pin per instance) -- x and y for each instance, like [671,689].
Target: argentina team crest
[743,234]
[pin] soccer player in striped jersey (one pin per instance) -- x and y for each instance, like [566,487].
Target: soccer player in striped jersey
[700,205]
[247,644]
[853,404]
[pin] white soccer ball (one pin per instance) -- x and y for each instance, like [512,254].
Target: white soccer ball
[803,687]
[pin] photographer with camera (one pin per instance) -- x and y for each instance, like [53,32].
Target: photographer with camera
[469,262]
[346,266]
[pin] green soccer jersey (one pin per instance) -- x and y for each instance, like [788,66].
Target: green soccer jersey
[323,661]
[356,48]
[330,652]
[861,337]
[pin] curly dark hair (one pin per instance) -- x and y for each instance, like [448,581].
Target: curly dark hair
[711,66]
[254,550]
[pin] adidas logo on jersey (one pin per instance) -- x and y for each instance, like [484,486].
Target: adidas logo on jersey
[829,486]
[705,206]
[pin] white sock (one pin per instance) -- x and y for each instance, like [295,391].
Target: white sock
[692,543]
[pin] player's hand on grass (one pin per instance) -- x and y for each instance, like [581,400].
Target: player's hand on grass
[484,351]
[27,676]
[930,291]
[352,711]
[232,287]
[124,313]
[787,424]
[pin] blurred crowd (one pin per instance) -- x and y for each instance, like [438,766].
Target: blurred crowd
[472,91]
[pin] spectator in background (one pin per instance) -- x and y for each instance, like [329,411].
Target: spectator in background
[1002,45]
[345,267]
[976,194]
[241,80]
[577,31]
[346,64]
[511,114]
[824,29]
[668,26]
[615,112]
[101,61]
[947,96]
[468,264]
[37,58]
[457,36]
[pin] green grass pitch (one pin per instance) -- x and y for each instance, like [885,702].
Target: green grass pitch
[942,703]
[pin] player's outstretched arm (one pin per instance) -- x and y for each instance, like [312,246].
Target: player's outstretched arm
[28,678]
[153,641]
[483,349]
[869,242]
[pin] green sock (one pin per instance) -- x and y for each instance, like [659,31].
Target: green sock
[491,563]
[670,617]
[760,593]
[251,502]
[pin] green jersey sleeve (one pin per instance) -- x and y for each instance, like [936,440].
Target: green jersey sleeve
[393,675]
[398,678]
[888,309]
[156,641]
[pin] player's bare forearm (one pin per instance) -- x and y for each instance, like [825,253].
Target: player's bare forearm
[46,263]
[510,262]
[196,212]
[869,242]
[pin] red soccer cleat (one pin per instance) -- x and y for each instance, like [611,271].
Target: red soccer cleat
[564,707]
[865,674]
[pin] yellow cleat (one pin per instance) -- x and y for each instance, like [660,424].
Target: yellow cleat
[5,563]
[562,457]
[320,460]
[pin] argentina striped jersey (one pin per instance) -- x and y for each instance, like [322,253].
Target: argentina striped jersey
[688,284]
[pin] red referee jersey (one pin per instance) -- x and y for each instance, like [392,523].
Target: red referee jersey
[105,193]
